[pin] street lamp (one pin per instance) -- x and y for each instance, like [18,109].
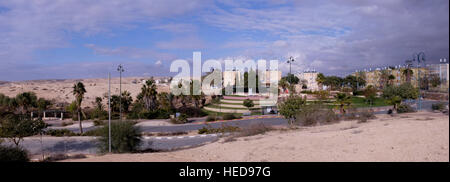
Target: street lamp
[120,70]
[420,57]
[290,60]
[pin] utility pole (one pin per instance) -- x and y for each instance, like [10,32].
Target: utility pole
[109,112]
[120,70]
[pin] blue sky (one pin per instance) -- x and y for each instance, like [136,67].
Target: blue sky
[46,39]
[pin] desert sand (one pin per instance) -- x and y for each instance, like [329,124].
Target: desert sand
[60,91]
[422,136]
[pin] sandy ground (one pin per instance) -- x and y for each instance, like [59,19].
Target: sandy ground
[421,136]
[61,90]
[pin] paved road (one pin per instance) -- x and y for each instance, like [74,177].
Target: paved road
[88,145]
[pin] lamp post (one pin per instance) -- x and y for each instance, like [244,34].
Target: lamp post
[120,70]
[420,58]
[109,112]
[290,60]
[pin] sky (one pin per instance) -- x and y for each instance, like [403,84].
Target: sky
[48,39]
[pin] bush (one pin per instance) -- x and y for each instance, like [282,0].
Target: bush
[58,157]
[223,129]
[315,114]
[438,106]
[98,122]
[94,132]
[144,114]
[229,117]
[404,108]
[211,118]
[125,137]
[60,132]
[365,115]
[66,124]
[254,129]
[13,154]
[182,119]
[192,111]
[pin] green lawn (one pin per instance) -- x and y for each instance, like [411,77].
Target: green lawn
[218,107]
[212,113]
[359,102]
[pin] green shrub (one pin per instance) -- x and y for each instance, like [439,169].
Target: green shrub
[438,106]
[211,118]
[404,108]
[230,117]
[13,154]
[98,122]
[223,129]
[192,111]
[182,119]
[60,132]
[125,137]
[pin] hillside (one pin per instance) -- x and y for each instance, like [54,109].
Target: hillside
[61,90]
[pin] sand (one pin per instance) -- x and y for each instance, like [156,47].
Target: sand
[422,136]
[61,90]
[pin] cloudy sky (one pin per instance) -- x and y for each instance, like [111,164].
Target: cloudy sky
[46,39]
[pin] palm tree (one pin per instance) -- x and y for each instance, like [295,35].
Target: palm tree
[26,100]
[320,79]
[78,92]
[408,74]
[391,79]
[343,101]
[149,94]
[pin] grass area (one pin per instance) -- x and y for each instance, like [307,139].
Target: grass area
[357,102]
[360,102]
[221,102]
[218,107]
[219,113]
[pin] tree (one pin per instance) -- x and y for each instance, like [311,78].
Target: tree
[435,80]
[391,79]
[354,82]
[248,103]
[383,78]
[42,105]
[16,127]
[78,92]
[149,95]
[407,73]
[292,79]
[320,80]
[99,111]
[322,95]
[126,101]
[369,94]
[290,107]
[395,94]
[333,82]
[343,101]
[26,100]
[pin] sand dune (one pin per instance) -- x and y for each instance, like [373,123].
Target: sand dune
[61,90]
